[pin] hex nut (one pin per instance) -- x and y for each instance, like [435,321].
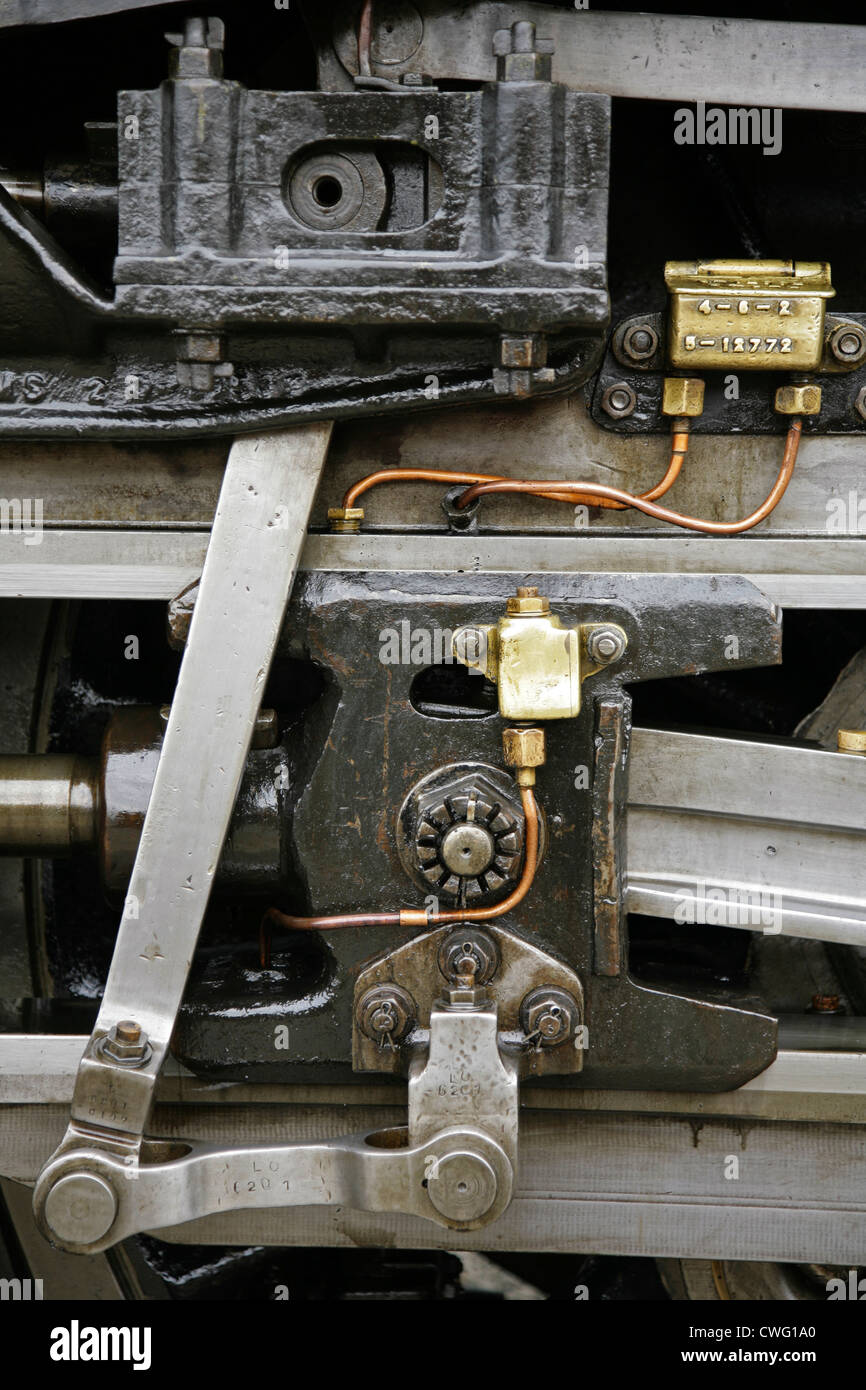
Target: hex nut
[851,740]
[523,747]
[640,342]
[475,943]
[523,351]
[860,402]
[683,396]
[527,602]
[798,400]
[200,347]
[618,400]
[125,1044]
[550,1013]
[384,1005]
[848,343]
[606,644]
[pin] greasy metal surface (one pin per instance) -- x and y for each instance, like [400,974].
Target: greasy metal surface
[252,855]
[465,220]
[609,792]
[347,790]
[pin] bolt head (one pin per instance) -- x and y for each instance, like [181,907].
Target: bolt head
[618,400]
[386,1011]
[640,342]
[605,645]
[552,1014]
[848,343]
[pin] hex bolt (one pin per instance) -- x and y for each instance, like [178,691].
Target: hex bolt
[605,645]
[619,400]
[385,1014]
[549,1017]
[125,1044]
[474,944]
[825,1004]
[848,343]
[860,402]
[640,342]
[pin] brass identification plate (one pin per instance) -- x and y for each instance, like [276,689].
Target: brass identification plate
[747,315]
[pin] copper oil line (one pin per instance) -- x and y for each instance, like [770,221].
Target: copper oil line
[417,917]
[365,38]
[553,490]
[643,504]
[598,494]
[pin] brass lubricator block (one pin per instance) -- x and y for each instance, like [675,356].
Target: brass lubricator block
[747,315]
[537,662]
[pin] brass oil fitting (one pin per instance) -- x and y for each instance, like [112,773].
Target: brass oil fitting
[345,521]
[536,662]
[524,750]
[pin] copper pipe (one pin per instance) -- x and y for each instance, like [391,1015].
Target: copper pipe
[409,917]
[691,523]
[553,491]
[365,38]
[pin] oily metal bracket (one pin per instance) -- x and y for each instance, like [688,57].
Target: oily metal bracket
[628,392]
[522,979]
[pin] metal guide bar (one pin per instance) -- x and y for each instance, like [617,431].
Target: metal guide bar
[120,564]
[38,1070]
[736,62]
[744,833]
[260,522]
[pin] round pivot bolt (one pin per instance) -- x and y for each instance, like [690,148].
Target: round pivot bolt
[605,644]
[467,849]
[80,1208]
[462,1187]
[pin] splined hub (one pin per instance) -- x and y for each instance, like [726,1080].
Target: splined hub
[462,832]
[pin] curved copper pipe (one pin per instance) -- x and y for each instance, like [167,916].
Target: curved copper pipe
[365,38]
[553,491]
[409,917]
[691,523]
